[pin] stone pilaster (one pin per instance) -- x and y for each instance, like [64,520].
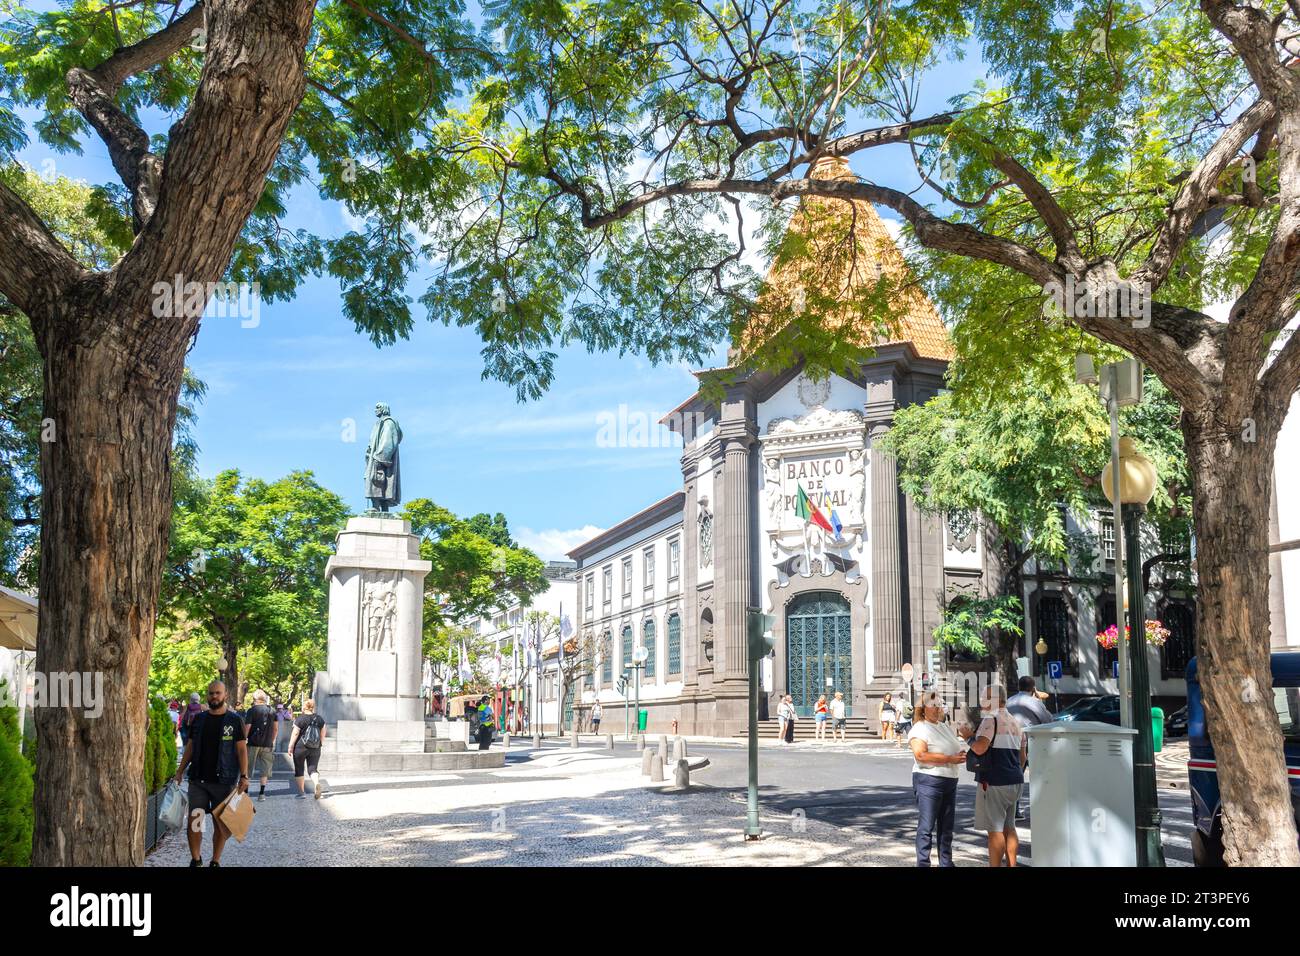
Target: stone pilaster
[887,606]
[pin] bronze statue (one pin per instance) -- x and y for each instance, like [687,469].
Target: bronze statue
[383,469]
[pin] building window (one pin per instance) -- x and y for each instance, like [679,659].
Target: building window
[606,660]
[608,575]
[648,561]
[674,558]
[648,642]
[1179,649]
[674,644]
[1108,539]
[591,593]
[706,537]
[1105,618]
[1052,624]
[627,646]
[627,577]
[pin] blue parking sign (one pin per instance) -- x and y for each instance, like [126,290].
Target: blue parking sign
[1114,668]
[1055,670]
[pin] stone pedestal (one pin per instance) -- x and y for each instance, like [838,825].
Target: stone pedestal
[376,595]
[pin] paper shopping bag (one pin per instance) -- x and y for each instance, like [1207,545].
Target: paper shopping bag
[235,813]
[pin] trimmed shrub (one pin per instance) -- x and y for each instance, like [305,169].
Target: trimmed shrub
[16,811]
[160,747]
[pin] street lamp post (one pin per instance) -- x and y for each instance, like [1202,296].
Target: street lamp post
[1120,385]
[1137,483]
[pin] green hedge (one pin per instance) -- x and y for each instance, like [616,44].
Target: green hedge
[159,747]
[16,812]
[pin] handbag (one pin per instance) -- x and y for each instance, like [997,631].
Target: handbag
[977,763]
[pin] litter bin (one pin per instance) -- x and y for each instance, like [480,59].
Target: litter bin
[642,717]
[1158,727]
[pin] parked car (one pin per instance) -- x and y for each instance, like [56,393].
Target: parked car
[1104,709]
[1176,723]
[1202,771]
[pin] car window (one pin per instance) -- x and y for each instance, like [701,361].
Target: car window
[1286,701]
[1108,705]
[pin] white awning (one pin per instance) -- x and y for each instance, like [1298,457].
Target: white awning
[17,620]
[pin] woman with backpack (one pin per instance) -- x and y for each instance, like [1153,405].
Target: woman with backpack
[305,745]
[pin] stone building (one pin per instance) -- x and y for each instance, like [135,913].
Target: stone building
[850,609]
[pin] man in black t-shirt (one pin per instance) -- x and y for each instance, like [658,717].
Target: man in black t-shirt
[217,758]
[262,731]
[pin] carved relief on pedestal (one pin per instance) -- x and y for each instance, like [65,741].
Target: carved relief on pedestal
[378,610]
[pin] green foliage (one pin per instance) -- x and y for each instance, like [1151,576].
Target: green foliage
[1018,450]
[477,567]
[16,809]
[160,758]
[967,622]
[247,564]
[184,659]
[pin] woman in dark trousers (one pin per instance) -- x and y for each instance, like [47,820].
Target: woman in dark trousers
[305,745]
[937,757]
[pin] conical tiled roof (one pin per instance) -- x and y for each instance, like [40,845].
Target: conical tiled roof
[824,224]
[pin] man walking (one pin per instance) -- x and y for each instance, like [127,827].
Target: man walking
[1027,707]
[597,712]
[263,728]
[217,758]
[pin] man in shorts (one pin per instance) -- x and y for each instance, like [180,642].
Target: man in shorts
[998,784]
[837,715]
[263,728]
[217,758]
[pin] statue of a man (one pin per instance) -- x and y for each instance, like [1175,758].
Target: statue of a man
[383,470]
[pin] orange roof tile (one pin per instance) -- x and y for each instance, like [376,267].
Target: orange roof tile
[825,224]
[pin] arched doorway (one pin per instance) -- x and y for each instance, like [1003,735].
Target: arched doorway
[818,646]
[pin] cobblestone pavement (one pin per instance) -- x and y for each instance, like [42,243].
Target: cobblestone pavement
[551,808]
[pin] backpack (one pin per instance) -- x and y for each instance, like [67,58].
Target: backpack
[311,735]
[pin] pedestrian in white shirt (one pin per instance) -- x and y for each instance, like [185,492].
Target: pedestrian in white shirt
[837,715]
[937,757]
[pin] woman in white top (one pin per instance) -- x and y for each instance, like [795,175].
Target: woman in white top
[937,758]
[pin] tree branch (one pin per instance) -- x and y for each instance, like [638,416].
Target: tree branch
[1196,190]
[94,92]
[34,265]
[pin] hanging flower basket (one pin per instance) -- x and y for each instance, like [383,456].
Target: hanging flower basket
[1157,634]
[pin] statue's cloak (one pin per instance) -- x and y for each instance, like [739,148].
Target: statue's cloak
[383,465]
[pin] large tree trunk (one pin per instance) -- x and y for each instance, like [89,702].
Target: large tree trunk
[113,364]
[106,508]
[1232,480]
[230,673]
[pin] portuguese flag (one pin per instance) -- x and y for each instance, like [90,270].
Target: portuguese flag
[810,512]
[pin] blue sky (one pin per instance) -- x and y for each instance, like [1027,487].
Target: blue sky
[280,394]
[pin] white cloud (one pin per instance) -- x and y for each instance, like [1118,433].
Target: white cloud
[555,544]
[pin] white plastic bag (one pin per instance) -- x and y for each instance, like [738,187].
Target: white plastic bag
[175,807]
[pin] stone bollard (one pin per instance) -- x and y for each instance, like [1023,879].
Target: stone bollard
[685,752]
[640,742]
[656,768]
[573,740]
[646,757]
[505,741]
[609,741]
[679,749]
[537,741]
[663,749]
[682,775]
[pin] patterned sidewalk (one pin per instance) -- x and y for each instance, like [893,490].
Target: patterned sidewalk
[556,809]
